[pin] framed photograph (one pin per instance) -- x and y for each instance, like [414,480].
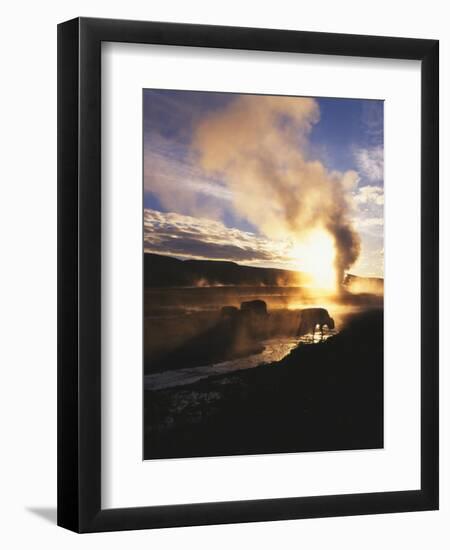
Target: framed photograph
[248,275]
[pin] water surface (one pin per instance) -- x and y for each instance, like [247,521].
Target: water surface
[274,350]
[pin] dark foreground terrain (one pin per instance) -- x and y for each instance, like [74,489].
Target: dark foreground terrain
[326,396]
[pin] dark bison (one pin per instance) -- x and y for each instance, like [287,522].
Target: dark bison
[255,307]
[249,322]
[311,317]
[229,312]
[255,318]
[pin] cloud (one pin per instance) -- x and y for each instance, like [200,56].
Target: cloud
[371,261]
[201,238]
[369,194]
[368,223]
[180,184]
[370,162]
[369,211]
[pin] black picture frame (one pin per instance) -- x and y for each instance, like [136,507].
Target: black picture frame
[79,274]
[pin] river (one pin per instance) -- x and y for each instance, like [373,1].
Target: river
[274,350]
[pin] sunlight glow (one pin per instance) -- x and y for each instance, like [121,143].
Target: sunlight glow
[315,254]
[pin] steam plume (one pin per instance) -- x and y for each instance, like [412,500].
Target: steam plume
[259,145]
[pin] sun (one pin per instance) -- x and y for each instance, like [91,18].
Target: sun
[315,255]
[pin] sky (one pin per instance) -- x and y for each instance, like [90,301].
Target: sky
[250,178]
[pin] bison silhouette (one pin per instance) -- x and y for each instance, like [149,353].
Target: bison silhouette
[250,321]
[312,317]
[254,307]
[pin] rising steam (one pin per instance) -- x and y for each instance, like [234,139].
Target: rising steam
[259,145]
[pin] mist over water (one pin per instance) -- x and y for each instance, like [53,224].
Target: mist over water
[179,315]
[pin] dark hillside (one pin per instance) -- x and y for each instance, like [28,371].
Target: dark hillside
[163,271]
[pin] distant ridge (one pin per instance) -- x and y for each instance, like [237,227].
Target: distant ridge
[372,285]
[164,271]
